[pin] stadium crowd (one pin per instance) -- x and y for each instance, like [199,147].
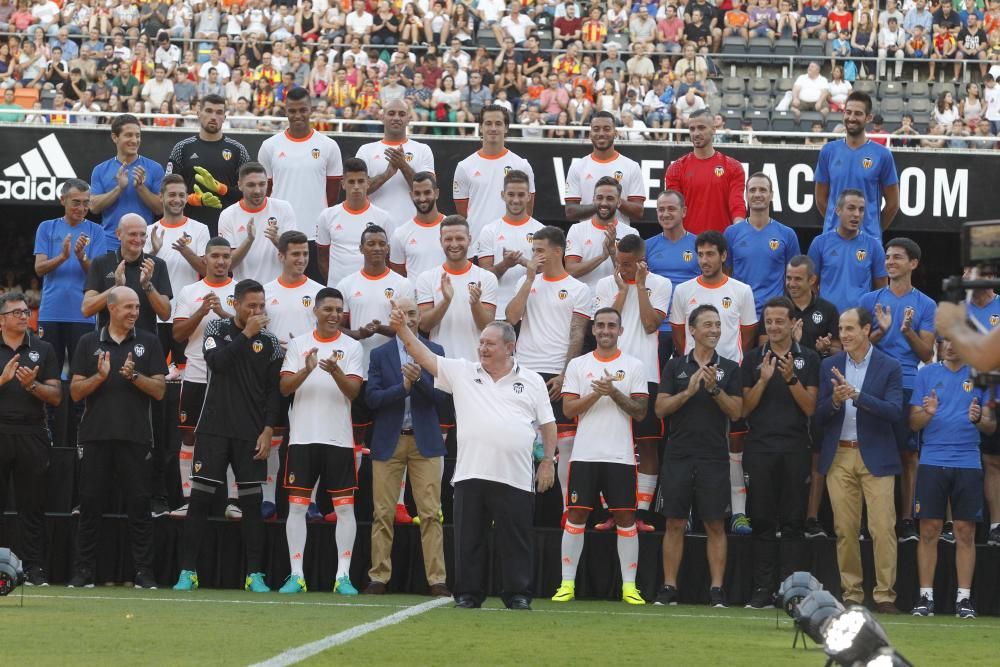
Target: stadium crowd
[697,377]
[651,64]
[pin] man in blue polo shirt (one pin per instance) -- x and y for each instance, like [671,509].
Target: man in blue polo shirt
[760,249]
[903,329]
[952,414]
[855,162]
[671,255]
[127,183]
[849,262]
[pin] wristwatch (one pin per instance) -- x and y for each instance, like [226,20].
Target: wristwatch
[794,381]
[135,376]
[148,287]
[33,387]
[714,392]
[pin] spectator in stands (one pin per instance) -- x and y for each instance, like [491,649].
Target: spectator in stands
[566,29]
[157,90]
[737,23]
[891,44]
[554,99]
[971,108]
[891,11]
[632,128]
[85,108]
[810,91]
[864,43]
[972,44]
[839,89]
[945,112]
[669,32]
[641,28]
[812,22]
[958,134]
[686,105]
[762,20]
[657,105]
[905,130]
[699,31]
[918,15]
[945,39]
[787,21]
[516,25]
[31,64]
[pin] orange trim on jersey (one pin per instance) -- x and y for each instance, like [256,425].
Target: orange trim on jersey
[460,199]
[284,373]
[610,159]
[725,279]
[430,224]
[492,157]
[292,285]
[468,267]
[579,314]
[382,275]
[211,284]
[555,280]
[357,377]
[573,200]
[166,224]
[298,141]
[570,394]
[593,221]
[617,354]
[359,211]
[516,223]
[636,198]
[394,143]
[317,337]
[253,210]
[577,257]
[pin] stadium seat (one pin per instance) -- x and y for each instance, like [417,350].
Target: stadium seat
[734,118]
[865,86]
[812,48]
[942,87]
[25,97]
[810,117]
[890,89]
[891,106]
[783,84]
[761,102]
[760,119]
[918,89]
[920,107]
[485,37]
[760,46]
[733,45]
[760,85]
[784,121]
[786,47]
[715,104]
[733,101]
[733,84]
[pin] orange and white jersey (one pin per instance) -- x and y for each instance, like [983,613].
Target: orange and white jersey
[479,181]
[548,316]
[193,234]
[506,234]
[586,171]
[585,240]
[604,431]
[417,246]
[634,339]
[289,307]
[394,195]
[340,229]
[457,332]
[733,300]
[321,413]
[261,262]
[368,298]
[185,304]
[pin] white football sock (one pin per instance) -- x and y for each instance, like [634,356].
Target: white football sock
[295,532]
[963,594]
[234,491]
[645,487]
[565,449]
[402,489]
[628,552]
[347,529]
[928,593]
[186,462]
[572,547]
[737,488]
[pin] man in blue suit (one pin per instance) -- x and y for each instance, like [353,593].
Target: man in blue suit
[406,435]
[860,401]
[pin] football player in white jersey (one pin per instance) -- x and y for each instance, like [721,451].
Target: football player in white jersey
[590,244]
[643,299]
[604,161]
[554,310]
[415,246]
[392,163]
[505,245]
[606,390]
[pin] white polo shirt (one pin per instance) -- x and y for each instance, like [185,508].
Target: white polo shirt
[733,300]
[585,240]
[185,304]
[586,171]
[321,413]
[367,298]
[496,421]
[507,234]
[394,195]
[299,169]
[340,229]
[548,316]
[194,234]
[479,181]
[604,432]
[417,246]
[289,307]
[261,262]
[634,340]
[457,332]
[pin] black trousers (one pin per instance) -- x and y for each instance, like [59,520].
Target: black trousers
[312,268]
[777,495]
[25,458]
[477,503]
[64,336]
[127,465]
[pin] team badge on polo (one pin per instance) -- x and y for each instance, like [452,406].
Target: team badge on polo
[272,221]
[563,294]
[338,354]
[257,346]
[573,497]
[773,244]
[507,169]
[291,475]
[799,363]
[230,300]
[315,153]
[619,176]
[307,301]
[726,302]
[817,317]
[719,171]
[867,163]
[619,374]
[183,416]
[139,350]
[994,320]
[34,356]
[719,374]
[408,157]
[687,255]
[186,239]
[197,466]
[389,292]
[967,386]
[518,387]
[861,254]
[227,154]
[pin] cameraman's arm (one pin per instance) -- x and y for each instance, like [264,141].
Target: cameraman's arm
[981,351]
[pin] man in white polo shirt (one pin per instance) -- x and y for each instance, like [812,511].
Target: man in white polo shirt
[497,405]
[415,246]
[590,244]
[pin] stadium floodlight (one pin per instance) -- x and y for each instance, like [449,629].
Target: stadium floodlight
[795,588]
[11,572]
[814,612]
[888,657]
[854,636]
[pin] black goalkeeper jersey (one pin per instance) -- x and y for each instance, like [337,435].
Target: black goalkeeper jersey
[222,159]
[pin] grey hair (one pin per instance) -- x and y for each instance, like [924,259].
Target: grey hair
[11,297]
[506,330]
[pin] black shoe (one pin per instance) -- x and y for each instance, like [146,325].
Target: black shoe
[993,540]
[666,597]
[717,598]
[466,602]
[947,533]
[924,607]
[814,528]
[519,603]
[964,609]
[762,599]
[145,579]
[36,576]
[81,579]
[907,531]
[159,507]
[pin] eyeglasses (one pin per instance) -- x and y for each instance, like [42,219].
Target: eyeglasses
[23,312]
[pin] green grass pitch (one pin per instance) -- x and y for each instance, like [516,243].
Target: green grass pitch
[120,626]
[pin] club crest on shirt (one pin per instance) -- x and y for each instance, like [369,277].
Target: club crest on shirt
[183,416]
[338,354]
[230,300]
[719,374]
[186,239]
[867,162]
[272,221]
[687,256]
[34,356]
[210,343]
[530,235]
[817,317]
[573,497]
[861,254]
[726,302]
[227,154]
[315,153]
[291,478]
[994,320]
[563,294]
[799,363]
[967,386]
[389,292]
[518,387]
[408,157]
[773,244]
[41,331]
[719,171]
[257,346]
[507,169]
[139,350]
[619,176]
[197,466]
[619,374]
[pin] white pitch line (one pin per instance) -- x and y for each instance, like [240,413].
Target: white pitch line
[300,653]
[187,600]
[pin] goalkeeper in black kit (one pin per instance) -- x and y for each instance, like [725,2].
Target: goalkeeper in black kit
[242,406]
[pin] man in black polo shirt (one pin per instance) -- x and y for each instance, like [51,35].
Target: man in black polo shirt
[703,393]
[30,378]
[780,383]
[129,266]
[242,406]
[119,370]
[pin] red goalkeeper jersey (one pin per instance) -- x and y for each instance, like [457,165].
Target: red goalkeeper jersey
[712,189]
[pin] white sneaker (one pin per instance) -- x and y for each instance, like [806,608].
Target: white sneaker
[233,512]
[180,512]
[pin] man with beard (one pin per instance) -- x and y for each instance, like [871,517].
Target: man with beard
[854,162]
[604,161]
[210,164]
[590,244]
[415,246]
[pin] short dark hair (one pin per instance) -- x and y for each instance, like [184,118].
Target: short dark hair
[217,242]
[251,168]
[247,286]
[700,112]
[354,165]
[121,121]
[608,180]
[606,310]
[172,179]
[551,235]
[806,261]
[373,229]
[328,293]
[861,96]
[426,176]
[77,184]
[674,193]
[604,114]
[712,237]
[632,243]
[848,192]
[909,246]
[288,238]
[296,94]
[455,221]
[780,302]
[215,99]
[864,315]
[696,313]
[515,176]
[491,108]
[11,297]
[760,174]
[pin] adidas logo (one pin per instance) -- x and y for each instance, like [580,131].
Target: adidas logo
[477,173]
[282,154]
[501,238]
[274,302]
[413,242]
[682,376]
[37,175]
[194,156]
[358,293]
[338,228]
